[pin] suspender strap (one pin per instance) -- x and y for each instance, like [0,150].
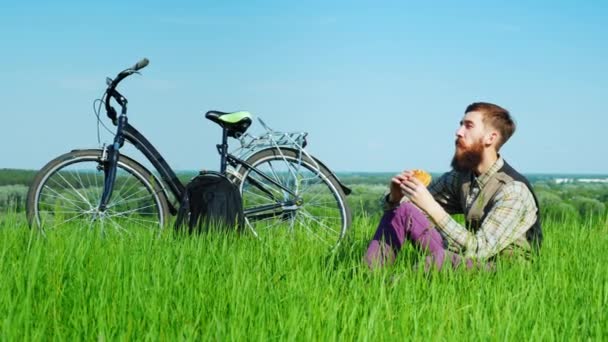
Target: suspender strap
[485,197]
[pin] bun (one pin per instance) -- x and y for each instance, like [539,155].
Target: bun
[422,176]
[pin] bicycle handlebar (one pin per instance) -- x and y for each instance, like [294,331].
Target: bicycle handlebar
[141,64]
[112,93]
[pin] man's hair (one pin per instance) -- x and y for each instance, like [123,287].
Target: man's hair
[497,117]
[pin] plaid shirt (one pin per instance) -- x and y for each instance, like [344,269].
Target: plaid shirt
[504,227]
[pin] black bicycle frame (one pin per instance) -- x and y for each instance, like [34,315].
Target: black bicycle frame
[127,132]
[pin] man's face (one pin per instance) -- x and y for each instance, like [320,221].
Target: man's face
[469,142]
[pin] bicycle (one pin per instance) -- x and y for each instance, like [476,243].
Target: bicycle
[280,183]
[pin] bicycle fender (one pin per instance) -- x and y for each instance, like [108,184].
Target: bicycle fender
[347,191]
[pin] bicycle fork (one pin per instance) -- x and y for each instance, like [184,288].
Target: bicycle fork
[109,159]
[109,163]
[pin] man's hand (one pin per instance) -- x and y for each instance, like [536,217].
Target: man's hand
[396,193]
[405,184]
[418,193]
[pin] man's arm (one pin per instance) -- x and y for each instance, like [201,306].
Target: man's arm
[513,213]
[444,191]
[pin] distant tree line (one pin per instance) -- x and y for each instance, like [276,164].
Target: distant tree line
[16,177]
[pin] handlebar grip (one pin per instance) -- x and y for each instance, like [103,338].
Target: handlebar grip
[141,64]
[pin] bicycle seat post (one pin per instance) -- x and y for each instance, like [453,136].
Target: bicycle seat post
[223,150]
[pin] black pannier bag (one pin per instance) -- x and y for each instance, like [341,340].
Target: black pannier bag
[210,202]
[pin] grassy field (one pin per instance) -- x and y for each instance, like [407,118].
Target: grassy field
[75,284]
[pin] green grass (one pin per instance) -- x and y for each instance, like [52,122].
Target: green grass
[77,285]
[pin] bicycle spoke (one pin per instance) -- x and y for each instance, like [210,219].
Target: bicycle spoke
[50,204]
[70,220]
[60,196]
[98,187]
[126,215]
[263,188]
[65,198]
[306,227]
[276,177]
[134,184]
[127,199]
[123,184]
[118,226]
[268,224]
[76,191]
[260,196]
[292,171]
[62,212]
[315,219]
[318,181]
[311,200]
[140,223]
[138,220]
[132,210]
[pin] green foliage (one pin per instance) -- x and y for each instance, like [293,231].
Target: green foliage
[553,207]
[547,197]
[366,199]
[559,211]
[13,197]
[588,206]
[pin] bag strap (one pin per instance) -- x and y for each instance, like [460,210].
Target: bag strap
[183,211]
[485,197]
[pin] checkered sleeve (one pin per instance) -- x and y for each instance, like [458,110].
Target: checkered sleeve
[445,191]
[513,213]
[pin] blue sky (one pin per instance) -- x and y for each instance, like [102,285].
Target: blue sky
[379,86]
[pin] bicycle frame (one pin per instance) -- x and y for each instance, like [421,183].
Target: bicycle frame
[127,132]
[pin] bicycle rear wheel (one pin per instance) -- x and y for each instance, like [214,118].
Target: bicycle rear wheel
[67,191]
[316,205]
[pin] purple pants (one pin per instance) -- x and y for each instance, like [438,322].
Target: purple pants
[407,222]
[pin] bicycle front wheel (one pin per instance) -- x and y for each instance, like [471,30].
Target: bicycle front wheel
[67,191]
[288,190]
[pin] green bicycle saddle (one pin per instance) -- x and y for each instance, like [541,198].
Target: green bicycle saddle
[236,122]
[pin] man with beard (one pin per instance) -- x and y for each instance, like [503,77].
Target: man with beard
[500,208]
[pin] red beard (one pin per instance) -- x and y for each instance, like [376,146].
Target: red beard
[467,158]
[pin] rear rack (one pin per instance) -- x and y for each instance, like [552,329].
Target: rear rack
[291,139]
[251,143]
[278,141]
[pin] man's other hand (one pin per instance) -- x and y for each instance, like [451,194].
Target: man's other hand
[396,190]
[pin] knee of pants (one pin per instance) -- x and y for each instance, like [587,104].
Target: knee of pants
[407,209]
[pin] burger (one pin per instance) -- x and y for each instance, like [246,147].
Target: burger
[422,176]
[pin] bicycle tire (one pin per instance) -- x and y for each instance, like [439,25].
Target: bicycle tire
[323,183]
[66,174]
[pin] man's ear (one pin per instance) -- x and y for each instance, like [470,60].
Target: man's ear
[491,138]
